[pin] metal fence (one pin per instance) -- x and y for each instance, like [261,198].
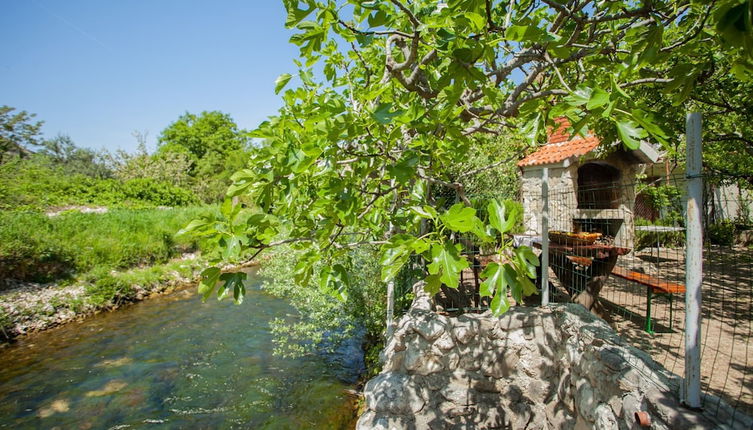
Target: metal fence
[618,245]
[634,273]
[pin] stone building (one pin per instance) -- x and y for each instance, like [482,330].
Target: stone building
[590,184]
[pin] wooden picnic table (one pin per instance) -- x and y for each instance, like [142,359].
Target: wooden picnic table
[583,269]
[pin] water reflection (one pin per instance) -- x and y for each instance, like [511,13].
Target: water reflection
[171,362]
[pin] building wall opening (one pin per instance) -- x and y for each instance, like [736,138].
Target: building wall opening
[598,186]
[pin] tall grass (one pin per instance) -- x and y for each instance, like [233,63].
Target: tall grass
[35,247]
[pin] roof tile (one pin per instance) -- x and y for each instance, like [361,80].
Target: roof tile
[560,147]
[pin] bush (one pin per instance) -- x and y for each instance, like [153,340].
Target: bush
[324,318]
[109,290]
[721,233]
[648,239]
[33,184]
[34,247]
[157,193]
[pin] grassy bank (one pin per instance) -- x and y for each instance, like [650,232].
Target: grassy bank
[55,269]
[38,248]
[31,307]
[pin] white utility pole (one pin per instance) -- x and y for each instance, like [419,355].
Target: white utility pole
[545,236]
[693,262]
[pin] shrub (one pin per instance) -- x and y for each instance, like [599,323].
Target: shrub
[34,184]
[37,248]
[109,290]
[648,239]
[721,233]
[157,193]
[324,317]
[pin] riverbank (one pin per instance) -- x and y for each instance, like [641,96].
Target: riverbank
[29,307]
[56,269]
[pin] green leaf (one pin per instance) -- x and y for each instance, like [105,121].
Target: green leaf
[499,304]
[427,212]
[377,19]
[384,114]
[405,169]
[281,81]
[420,246]
[478,22]
[494,282]
[207,281]
[580,96]
[232,248]
[394,255]
[498,218]
[193,226]
[459,218]
[527,260]
[598,98]
[447,263]
[235,282]
[333,281]
[616,89]
[630,132]
[433,284]
[516,33]
[295,15]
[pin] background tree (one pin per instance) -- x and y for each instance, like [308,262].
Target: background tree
[169,167]
[62,151]
[18,133]
[409,89]
[214,146]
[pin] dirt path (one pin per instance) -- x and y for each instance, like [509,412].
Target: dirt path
[727,315]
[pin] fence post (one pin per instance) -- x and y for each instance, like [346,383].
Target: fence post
[390,309]
[693,262]
[545,236]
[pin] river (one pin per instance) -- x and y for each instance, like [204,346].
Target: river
[173,362]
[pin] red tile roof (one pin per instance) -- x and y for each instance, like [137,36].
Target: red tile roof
[560,147]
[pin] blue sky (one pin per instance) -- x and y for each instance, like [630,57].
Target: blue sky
[98,70]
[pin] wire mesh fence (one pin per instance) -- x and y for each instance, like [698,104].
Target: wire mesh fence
[620,250]
[617,246]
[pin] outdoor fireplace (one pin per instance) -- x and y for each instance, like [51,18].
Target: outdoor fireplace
[588,190]
[598,186]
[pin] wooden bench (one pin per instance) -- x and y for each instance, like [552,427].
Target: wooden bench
[654,288]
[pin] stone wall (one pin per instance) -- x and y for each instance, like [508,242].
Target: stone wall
[534,368]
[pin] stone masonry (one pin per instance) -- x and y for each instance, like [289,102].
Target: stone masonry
[556,367]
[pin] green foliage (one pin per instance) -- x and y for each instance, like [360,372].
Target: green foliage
[62,152]
[169,167]
[370,153]
[213,146]
[35,183]
[39,248]
[5,322]
[17,133]
[650,239]
[721,233]
[156,193]
[108,289]
[322,319]
[664,199]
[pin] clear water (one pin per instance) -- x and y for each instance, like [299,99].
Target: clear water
[171,362]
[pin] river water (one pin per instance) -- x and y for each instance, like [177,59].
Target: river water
[173,362]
